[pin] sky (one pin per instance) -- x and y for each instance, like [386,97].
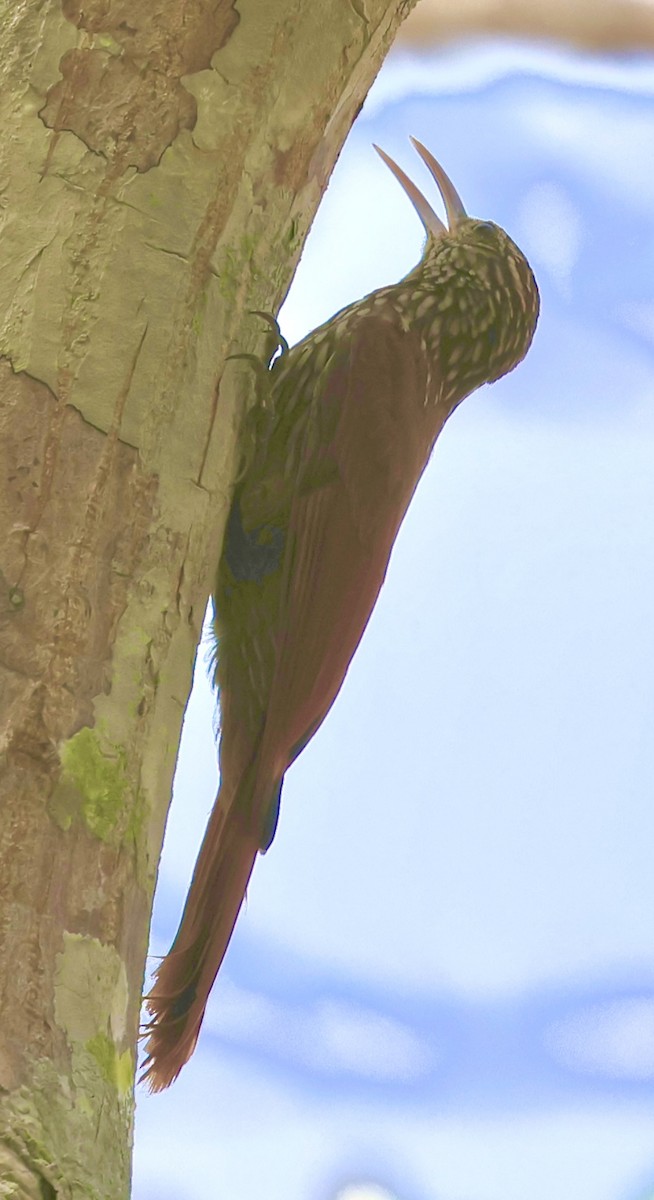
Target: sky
[442,984]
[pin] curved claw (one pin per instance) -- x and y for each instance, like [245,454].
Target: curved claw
[282,344]
[257,363]
[261,367]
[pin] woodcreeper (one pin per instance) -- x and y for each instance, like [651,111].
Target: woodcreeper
[349,422]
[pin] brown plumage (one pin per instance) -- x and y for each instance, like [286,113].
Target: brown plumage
[338,446]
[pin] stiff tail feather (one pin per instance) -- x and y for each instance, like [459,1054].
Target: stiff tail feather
[185,976]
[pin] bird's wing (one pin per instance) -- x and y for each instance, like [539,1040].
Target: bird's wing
[351,496]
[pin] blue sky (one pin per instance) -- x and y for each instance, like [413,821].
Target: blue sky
[442,986]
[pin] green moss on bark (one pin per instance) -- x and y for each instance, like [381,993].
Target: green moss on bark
[118,1069]
[93,786]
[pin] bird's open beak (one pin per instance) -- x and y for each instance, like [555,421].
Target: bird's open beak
[451,199]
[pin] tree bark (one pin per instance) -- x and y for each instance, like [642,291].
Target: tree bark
[162,161]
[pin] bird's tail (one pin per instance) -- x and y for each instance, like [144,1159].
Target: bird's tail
[185,976]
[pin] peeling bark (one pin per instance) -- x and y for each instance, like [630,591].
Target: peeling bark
[124,98]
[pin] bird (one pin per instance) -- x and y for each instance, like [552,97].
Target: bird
[345,423]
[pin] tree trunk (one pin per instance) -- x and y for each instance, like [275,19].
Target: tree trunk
[161,164]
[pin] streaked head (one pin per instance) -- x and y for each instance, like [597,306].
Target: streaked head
[485,296]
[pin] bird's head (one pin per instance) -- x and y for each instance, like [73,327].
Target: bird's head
[473,284]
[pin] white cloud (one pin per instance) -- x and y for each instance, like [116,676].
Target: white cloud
[244,1016]
[347,1038]
[480,64]
[612,146]
[638,316]
[331,1037]
[364,1191]
[615,1039]
[552,226]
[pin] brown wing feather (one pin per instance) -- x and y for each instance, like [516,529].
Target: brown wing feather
[342,534]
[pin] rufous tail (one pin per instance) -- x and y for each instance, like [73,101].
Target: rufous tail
[185,976]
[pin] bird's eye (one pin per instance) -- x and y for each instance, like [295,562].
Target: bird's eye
[486,229]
